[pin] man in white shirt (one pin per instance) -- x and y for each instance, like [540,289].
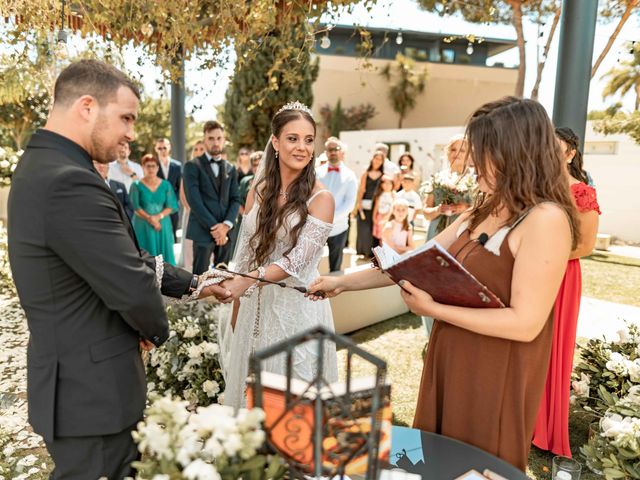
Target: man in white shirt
[341,181]
[388,168]
[124,170]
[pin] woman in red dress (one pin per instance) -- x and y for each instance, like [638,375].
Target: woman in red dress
[552,424]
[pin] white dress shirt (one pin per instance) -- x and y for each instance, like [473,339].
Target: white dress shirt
[343,185]
[115,173]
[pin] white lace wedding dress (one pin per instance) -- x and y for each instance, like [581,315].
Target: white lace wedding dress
[283,311]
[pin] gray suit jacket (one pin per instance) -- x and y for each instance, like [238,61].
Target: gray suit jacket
[88,291]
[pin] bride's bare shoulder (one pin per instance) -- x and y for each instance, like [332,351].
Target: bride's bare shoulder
[322,204]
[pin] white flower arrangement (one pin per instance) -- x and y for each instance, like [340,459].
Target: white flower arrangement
[609,366]
[451,187]
[614,450]
[188,364]
[8,163]
[209,444]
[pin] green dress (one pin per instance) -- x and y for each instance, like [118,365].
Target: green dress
[153,202]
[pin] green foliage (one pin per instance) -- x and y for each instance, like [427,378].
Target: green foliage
[154,121]
[625,77]
[187,365]
[338,119]
[408,82]
[247,112]
[620,122]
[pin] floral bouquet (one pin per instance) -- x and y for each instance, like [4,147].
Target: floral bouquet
[450,188]
[8,164]
[614,449]
[210,443]
[187,365]
[612,367]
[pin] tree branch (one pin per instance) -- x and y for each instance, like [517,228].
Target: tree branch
[631,4]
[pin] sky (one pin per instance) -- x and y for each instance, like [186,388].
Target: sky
[210,86]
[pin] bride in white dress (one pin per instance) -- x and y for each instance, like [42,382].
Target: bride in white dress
[287,221]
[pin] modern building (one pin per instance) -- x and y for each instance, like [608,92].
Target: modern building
[461,74]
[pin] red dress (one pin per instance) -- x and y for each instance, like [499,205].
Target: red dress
[552,425]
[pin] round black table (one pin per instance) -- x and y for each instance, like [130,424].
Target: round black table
[436,457]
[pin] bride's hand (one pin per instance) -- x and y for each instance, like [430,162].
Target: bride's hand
[331,287]
[237,286]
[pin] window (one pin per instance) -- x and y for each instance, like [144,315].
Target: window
[600,148]
[448,55]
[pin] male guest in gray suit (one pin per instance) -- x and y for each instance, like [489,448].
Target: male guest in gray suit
[91,297]
[171,171]
[211,188]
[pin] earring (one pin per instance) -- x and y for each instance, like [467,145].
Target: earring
[276,154]
[569,161]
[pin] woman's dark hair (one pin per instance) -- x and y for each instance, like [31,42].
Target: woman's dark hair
[271,216]
[410,157]
[377,153]
[569,137]
[513,140]
[147,157]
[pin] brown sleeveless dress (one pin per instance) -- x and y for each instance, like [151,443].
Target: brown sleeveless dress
[483,390]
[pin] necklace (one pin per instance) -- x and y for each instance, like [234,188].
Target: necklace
[285,195]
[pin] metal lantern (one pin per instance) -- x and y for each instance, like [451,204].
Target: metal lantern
[323,429]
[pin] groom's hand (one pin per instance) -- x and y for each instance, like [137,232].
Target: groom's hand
[221,293]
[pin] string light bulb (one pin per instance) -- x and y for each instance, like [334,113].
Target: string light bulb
[325,42]
[399,38]
[470,48]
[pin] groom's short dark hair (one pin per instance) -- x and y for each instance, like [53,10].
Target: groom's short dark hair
[212,125]
[91,77]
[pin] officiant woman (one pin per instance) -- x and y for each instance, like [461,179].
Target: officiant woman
[485,369]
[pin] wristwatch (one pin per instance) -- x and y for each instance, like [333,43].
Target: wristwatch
[193,286]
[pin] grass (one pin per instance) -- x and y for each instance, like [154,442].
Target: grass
[400,342]
[611,277]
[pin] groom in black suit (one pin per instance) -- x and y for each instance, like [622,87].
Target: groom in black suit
[91,297]
[211,188]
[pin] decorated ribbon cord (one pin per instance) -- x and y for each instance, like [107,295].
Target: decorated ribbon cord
[252,288]
[159,270]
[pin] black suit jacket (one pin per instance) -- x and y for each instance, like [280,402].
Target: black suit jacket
[120,191]
[175,175]
[209,204]
[88,292]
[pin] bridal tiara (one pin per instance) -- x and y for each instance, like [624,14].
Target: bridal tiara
[296,106]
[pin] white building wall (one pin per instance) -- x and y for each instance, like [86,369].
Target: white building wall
[614,166]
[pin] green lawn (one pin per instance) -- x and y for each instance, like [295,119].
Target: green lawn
[400,342]
[611,277]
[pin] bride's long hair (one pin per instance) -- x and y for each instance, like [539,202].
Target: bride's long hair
[271,216]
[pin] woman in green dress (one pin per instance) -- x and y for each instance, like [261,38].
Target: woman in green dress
[153,201]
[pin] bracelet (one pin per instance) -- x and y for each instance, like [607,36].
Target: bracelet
[252,288]
[159,270]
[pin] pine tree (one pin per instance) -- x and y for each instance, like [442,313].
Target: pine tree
[247,110]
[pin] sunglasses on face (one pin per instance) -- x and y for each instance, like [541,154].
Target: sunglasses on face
[161,148]
[334,149]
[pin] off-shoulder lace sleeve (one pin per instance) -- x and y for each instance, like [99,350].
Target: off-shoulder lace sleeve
[585,197]
[307,251]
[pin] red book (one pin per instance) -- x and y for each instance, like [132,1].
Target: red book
[432,269]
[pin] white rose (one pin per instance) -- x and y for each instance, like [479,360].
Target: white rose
[199,470]
[232,443]
[610,425]
[212,448]
[3,152]
[210,349]
[581,387]
[616,364]
[634,370]
[27,461]
[191,332]
[194,352]
[4,164]
[210,387]
[623,334]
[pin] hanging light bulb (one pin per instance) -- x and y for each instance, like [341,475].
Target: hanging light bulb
[399,38]
[470,49]
[61,50]
[147,30]
[325,42]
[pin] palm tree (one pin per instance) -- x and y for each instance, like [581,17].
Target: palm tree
[625,77]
